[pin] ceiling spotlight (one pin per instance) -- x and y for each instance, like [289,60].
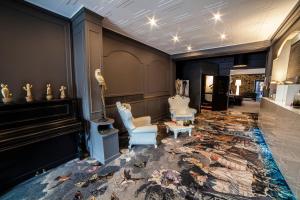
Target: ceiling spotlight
[152,21]
[223,36]
[175,38]
[189,48]
[217,16]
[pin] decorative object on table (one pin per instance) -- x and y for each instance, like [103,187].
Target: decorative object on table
[288,82]
[177,86]
[187,122]
[296,101]
[178,127]
[180,110]
[141,131]
[238,83]
[62,91]
[49,95]
[102,85]
[27,88]
[179,123]
[7,96]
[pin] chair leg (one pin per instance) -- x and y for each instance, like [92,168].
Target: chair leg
[175,134]
[155,146]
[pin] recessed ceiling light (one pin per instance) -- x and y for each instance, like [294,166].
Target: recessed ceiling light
[223,36]
[189,48]
[217,16]
[175,38]
[152,21]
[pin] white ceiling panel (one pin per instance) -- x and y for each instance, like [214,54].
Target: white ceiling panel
[242,21]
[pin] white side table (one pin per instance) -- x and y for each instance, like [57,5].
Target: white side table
[175,128]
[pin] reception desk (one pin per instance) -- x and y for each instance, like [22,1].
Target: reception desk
[281,127]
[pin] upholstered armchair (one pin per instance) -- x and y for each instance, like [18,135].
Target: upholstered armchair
[140,130]
[180,110]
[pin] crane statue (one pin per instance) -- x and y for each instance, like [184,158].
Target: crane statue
[102,85]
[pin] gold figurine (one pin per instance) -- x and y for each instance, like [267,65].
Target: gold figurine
[7,96]
[49,95]
[62,92]
[27,88]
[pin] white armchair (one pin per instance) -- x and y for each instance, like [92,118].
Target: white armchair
[140,130]
[180,110]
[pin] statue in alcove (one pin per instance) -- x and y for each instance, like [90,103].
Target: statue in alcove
[102,85]
[177,86]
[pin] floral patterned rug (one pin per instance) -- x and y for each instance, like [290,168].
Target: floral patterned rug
[226,158]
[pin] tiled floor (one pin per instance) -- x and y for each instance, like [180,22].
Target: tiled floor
[247,106]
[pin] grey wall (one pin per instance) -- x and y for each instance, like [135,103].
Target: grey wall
[35,48]
[138,74]
[192,71]
[254,60]
[88,48]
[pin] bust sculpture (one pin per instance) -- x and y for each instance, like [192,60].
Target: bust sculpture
[49,95]
[7,96]
[102,85]
[27,88]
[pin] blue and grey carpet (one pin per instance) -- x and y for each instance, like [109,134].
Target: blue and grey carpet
[226,158]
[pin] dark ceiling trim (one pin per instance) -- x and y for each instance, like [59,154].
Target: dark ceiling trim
[224,51]
[19,3]
[292,17]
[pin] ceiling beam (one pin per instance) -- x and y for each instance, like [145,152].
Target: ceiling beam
[224,51]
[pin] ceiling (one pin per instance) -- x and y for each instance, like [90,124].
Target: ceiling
[242,21]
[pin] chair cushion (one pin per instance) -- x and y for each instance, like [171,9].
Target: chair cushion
[145,129]
[184,115]
[142,121]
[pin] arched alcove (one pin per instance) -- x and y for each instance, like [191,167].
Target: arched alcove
[281,63]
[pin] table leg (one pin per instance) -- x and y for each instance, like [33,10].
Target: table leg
[175,134]
[190,132]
